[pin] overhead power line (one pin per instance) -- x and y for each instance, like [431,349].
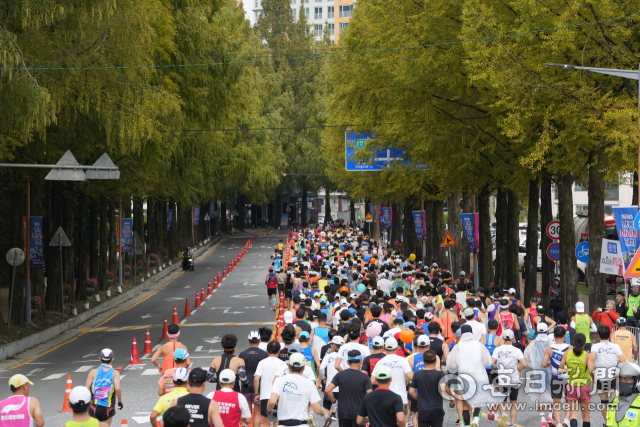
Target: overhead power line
[288,128]
[452,42]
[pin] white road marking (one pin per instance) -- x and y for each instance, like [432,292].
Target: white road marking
[153,371]
[184,321]
[146,316]
[84,368]
[34,372]
[194,312]
[142,420]
[134,367]
[174,299]
[54,376]
[243,296]
[157,346]
[89,355]
[209,296]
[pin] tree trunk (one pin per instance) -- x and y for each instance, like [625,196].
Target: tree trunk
[597,282]
[304,208]
[376,221]
[396,225]
[80,248]
[634,198]
[327,206]
[172,237]
[546,216]
[242,201]
[93,239]
[18,210]
[531,261]
[438,233]
[409,241]
[352,210]
[485,263]
[501,240]
[113,253]
[152,228]
[52,299]
[454,225]
[569,289]
[277,211]
[513,242]
[466,207]
[431,251]
[102,274]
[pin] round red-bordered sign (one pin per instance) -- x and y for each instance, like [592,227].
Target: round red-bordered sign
[553,251]
[553,230]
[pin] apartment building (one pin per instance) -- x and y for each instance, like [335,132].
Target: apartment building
[618,194]
[334,14]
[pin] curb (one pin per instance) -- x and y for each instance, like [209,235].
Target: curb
[23,344]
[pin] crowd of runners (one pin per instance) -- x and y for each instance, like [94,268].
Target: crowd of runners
[389,341]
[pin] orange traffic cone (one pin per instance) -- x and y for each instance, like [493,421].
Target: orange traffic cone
[202,294]
[215,283]
[165,332]
[135,358]
[119,368]
[147,344]
[209,290]
[224,271]
[124,423]
[67,392]
[175,319]
[197,303]
[219,279]
[187,310]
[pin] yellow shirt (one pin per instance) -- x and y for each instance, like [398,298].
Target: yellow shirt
[165,401]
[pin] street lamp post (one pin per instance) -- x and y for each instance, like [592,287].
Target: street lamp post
[626,74]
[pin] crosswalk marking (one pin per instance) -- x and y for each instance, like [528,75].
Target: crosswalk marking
[153,371]
[54,376]
[84,368]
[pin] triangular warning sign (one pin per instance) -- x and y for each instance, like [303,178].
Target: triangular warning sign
[633,271]
[368,218]
[448,241]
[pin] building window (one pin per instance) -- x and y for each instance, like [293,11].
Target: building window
[318,30]
[330,12]
[345,11]
[582,186]
[332,28]
[317,13]
[343,25]
[582,208]
[608,210]
[306,12]
[293,1]
[611,192]
[255,4]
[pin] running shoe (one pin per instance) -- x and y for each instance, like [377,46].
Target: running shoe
[410,422]
[328,422]
[452,404]
[566,423]
[475,421]
[503,420]
[544,424]
[334,416]
[551,422]
[310,421]
[457,422]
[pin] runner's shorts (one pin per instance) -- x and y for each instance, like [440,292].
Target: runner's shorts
[102,413]
[558,387]
[272,291]
[579,393]
[326,403]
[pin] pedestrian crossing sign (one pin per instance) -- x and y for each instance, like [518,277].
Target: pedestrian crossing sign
[368,218]
[633,271]
[448,241]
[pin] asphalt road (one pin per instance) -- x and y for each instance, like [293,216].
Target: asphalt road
[239,306]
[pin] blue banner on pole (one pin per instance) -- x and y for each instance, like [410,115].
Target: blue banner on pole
[627,235]
[127,235]
[196,215]
[386,218]
[36,258]
[169,220]
[212,209]
[418,222]
[468,224]
[284,221]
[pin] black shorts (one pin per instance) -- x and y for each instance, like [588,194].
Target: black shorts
[287,294]
[510,391]
[492,374]
[587,348]
[347,423]
[558,387]
[263,407]
[326,403]
[413,402]
[606,385]
[431,423]
[102,413]
[272,291]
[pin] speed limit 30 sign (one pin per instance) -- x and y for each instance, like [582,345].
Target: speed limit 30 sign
[553,230]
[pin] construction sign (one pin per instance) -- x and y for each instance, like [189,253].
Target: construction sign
[448,241]
[633,271]
[368,218]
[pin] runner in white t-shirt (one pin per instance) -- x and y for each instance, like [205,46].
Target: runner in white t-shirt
[606,356]
[509,361]
[400,369]
[293,395]
[267,371]
[354,335]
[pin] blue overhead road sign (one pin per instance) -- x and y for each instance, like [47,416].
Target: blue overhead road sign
[384,158]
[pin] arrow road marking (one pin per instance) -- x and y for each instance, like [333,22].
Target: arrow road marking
[35,371]
[199,348]
[250,284]
[142,420]
[262,306]
[187,287]
[146,316]
[89,355]
[213,340]
[243,296]
[226,310]
[174,299]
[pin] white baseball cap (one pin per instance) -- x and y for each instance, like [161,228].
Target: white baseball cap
[297,360]
[181,374]
[344,302]
[80,394]
[288,317]
[542,327]
[254,336]
[462,273]
[377,342]
[227,376]
[508,334]
[512,291]
[337,340]
[423,341]
[391,343]
[580,307]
